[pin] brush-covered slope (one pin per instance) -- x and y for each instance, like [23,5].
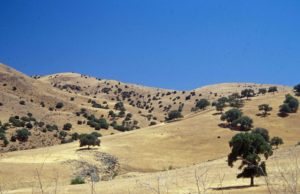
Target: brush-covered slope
[196,139]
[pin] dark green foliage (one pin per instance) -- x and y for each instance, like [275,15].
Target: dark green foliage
[231,115]
[220,106]
[272,89]
[59,105]
[174,114]
[89,140]
[262,91]
[263,132]
[223,100]
[77,181]
[42,104]
[248,147]
[51,127]
[121,114]
[22,134]
[16,122]
[202,104]
[265,108]
[292,102]
[67,126]
[128,117]
[247,93]
[29,125]
[4,139]
[290,105]
[244,123]
[152,123]
[276,141]
[75,136]
[119,106]
[96,134]
[62,134]
[297,89]
[284,110]
[97,123]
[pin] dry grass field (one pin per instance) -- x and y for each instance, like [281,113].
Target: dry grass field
[184,156]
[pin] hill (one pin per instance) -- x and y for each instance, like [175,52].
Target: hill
[166,154]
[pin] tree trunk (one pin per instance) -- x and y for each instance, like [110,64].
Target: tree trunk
[252,181]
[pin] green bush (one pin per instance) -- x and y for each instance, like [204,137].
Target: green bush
[22,134]
[67,126]
[77,180]
[174,114]
[59,105]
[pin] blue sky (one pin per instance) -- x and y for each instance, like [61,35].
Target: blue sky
[169,44]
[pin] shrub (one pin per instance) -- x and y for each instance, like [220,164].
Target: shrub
[29,125]
[231,115]
[297,89]
[22,102]
[174,114]
[244,123]
[75,136]
[262,91]
[62,134]
[292,102]
[152,123]
[202,104]
[4,139]
[119,106]
[67,126]
[247,93]
[276,141]
[290,105]
[59,105]
[88,140]
[77,180]
[22,134]
[16,122]
[265,108]
[272,89]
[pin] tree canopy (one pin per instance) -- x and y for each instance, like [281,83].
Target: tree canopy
[249,147]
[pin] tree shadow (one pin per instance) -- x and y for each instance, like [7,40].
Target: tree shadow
[262,115]
[283,115]
[223,125]
[233,128]
[233,187]
[83,149]
[217,113]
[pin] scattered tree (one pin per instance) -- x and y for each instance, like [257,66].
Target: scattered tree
[22,134]
[297,89]
[231,115]
[88,140]
[202,104]
[174,114]
[59,105]
[273,89]
[276,141]
[247,93]
[265,108]
[67,126]
[248,147]
[244,123]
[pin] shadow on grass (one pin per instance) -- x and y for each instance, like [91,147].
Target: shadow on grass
[233,187]
[83,149]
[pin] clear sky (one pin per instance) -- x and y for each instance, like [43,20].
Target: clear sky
[169,44]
